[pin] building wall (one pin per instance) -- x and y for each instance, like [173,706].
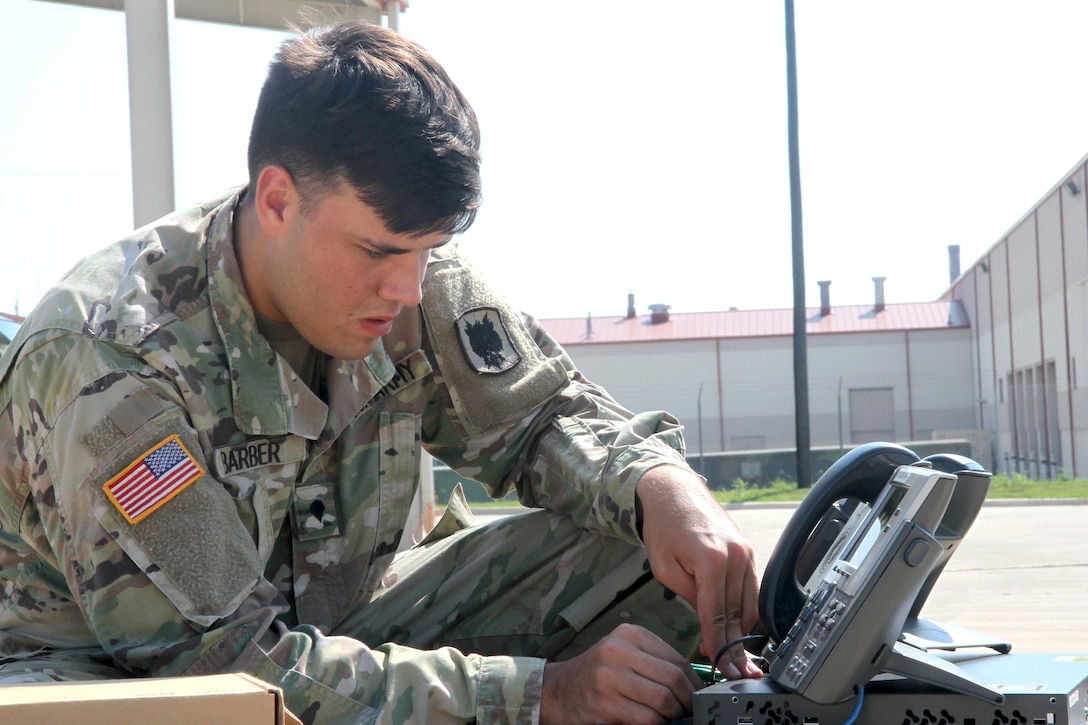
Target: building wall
[843,369]
[738,393]
[656,376]
[757,400]
[941,386]
[1027,298]
[1015,382]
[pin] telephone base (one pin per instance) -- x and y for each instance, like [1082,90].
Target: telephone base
[1037,688]
[927,635]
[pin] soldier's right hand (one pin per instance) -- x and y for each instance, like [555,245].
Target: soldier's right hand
[631,676]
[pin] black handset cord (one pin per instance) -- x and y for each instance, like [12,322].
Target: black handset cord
[731,645]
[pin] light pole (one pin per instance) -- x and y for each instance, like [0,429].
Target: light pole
[800,342]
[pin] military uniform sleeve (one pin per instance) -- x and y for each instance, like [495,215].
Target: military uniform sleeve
[517,414]
[163,575]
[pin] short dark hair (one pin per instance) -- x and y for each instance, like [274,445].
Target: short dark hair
[359,103]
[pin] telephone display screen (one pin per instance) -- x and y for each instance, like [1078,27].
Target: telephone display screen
[877,524]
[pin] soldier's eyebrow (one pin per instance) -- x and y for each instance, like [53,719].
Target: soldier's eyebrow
[387,248]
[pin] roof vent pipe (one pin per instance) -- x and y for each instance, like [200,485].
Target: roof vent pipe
[825,296]
[953,262]
[631,314]
[878,284]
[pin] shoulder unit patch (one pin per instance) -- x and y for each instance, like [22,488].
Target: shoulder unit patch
[154,478]
[485,341]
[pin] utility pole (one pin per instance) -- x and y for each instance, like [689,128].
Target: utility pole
[800,341]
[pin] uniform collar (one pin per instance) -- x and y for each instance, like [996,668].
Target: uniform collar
[255,370]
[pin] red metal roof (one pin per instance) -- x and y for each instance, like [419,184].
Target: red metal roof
[757,323]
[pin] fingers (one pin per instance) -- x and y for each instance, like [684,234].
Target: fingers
[725,589]
[741,612]
[726,592]
[630,676]
[663,664]
[665,679]
[697,551]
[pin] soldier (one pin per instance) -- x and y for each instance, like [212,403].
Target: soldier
[211,434]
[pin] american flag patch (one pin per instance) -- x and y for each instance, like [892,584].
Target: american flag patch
[160,474]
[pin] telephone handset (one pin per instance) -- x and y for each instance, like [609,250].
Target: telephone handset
[844,584]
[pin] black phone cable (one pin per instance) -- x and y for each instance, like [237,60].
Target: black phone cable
[731,645]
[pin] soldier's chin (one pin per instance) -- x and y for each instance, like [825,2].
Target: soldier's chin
[354,350]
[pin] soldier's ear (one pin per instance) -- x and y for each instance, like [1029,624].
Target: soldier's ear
[274,198]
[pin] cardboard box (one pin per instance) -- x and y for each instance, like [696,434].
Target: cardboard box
[238,699]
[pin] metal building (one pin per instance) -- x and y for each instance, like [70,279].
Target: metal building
[1027,299]
[894,372]
[993,361]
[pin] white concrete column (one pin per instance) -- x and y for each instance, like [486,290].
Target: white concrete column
[392,15]
[149,30]
[391,9]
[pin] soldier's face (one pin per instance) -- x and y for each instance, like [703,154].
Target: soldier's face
[340,277]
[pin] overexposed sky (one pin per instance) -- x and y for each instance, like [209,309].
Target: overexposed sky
[628,146]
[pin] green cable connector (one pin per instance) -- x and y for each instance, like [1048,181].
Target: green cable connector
[708,674]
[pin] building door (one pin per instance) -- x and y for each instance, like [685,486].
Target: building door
[872,415]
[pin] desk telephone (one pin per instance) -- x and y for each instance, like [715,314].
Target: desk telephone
[844,586]
[840,633]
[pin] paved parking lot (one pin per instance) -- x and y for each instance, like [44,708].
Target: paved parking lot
[1020,574]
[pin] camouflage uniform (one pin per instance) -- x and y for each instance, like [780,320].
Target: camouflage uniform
[175,500]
